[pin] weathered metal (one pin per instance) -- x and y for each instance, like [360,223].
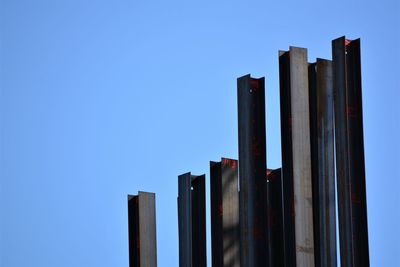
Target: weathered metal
[296,157]
[275,218]
[252,165]
[192,220]
[351,188]
[323,161]
[142,230]
[225,213]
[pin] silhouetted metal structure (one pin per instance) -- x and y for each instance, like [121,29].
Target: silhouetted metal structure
[283,217]
[323,162]
[252,165]
[296,157]
[351,190]
[142,230]
[225,238]
[192,220]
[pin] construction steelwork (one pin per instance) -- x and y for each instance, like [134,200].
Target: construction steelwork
[252,165]
[296,157]
[352,203]
[323,161]
[142,230]
[192,220]
[225,241]
[287,216]
[275,218]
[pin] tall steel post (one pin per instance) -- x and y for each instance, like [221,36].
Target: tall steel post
[296,157]
[252,165]
[142,230]
[351,186]
[275,218]
[323,161]
[225,213]
[192,220]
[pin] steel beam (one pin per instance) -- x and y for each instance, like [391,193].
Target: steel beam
[323,161]
[351,189]
[296,155]
[275,218]
[225,213]
[252,165]
[192,220]
[142,230]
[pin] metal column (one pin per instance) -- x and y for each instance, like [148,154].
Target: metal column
[252,165]
[225,213]
[192,220]
[142,230]
[323,161]
[351,189]
[275,218]
[296,156]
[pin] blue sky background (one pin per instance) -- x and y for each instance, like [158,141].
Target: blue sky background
[104,98]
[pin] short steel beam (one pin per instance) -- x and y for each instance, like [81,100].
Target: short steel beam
[225,213]
[323,161]
[351,186]
[192,220]
[142,230]
[296,155]
[275,218]
[252,164]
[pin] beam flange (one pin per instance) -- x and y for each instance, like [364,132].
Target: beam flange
[296,157]
[252,165]
[323,161]
[142,230]
[192,220]
[351,188]
[225,213]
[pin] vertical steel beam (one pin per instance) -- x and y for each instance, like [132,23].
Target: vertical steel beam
[142,230]
[294,80]
[351,189]
[252,164]
[323,161]
[275,218]
[225,213]
[192,220]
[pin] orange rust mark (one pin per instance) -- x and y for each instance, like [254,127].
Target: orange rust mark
[230,162]
[355,198]
[254,84]
[351,111]
[220,210]
[255,148]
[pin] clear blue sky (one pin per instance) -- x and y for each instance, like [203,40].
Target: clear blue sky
[104,98]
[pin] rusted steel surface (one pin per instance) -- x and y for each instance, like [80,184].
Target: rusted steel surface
[351,189]
[225,213]
[252,164]
[192,220]
[142,230]
[323,161]
[275,218]
[296,154]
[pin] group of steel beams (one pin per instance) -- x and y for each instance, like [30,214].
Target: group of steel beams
[192,220]
[142,230]
[287,217]
[352,206]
